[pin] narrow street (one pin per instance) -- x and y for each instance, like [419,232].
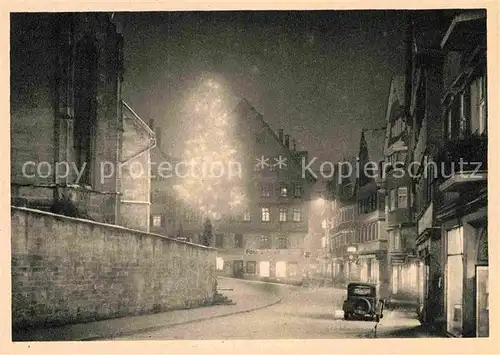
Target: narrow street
[302,314]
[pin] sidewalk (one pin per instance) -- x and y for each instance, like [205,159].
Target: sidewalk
[403,324]
[247,295]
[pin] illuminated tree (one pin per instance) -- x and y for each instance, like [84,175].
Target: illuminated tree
[211,182]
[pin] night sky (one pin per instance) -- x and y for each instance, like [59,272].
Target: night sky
[321,76]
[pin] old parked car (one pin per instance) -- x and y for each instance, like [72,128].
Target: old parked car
[362,302]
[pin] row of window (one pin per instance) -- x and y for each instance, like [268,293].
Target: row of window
[265,216]
[284,190]
[264,242]
[467,114]
[368,204]
[282,214]
[343,238]
[397,157]
[280,268]
[345,214]
[367,233]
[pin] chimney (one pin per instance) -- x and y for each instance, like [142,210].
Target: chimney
[294,143]
[280,135]
[158,137]
[287,140]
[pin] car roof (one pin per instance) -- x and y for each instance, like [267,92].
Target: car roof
[360,284]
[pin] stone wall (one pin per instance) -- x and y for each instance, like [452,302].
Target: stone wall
[66,270]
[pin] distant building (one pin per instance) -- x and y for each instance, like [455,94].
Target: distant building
[269,239]
[343,223]
[318,241]
[169,216]
[403,265]
[371,227]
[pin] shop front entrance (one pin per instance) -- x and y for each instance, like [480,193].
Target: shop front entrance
[454,281]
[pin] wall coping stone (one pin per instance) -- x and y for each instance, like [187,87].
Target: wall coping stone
[106,225]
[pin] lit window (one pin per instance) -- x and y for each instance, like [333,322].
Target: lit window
[156,221]
[220,263]
[392,200]
[264,268]
[281,269]
[402,197]
[283,190]
[265,214]
[296,215]
[246,216]
[283,214]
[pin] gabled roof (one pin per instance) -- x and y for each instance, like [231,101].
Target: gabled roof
[246,109]
[396,97]
[462,19]
[375,140]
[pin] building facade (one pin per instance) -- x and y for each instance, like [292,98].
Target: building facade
[403,265]
[66,75]
[343,225]
[269,240]
[73,138]
[449,114]
[461,186]
[371,227]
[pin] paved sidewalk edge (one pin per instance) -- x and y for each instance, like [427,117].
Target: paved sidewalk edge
[170,325]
